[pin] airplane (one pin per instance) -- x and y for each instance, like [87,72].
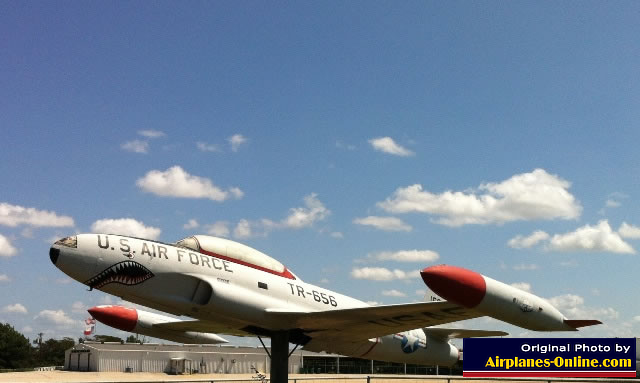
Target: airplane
[230,288]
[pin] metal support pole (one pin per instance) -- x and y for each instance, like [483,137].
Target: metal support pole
[279,357]
[265,347]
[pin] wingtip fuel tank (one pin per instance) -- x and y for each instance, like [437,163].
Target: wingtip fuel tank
[144,322]
[498,300]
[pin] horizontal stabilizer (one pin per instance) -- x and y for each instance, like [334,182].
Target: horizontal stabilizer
[576,323]
[450,333]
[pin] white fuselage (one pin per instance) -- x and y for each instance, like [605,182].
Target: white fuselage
[236,296]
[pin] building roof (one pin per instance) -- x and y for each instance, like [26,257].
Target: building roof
[204,348]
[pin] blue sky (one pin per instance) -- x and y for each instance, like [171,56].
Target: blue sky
[338,137]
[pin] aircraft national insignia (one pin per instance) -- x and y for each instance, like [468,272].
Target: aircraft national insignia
[125,273]
[409,343]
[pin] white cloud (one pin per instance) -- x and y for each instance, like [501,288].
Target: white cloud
[629,231]
[569,263]
[389,146]
[136,146]
[405,256]
[522,286]
[150,133]
[383,223]
[192,224]
[4,278]
[6,248]
[614,200]
[298,218]
[528,196]
[78,307]
[125,226]
[591,238]
[573,306]
[57,317]
[14,309]
[612,203]
[236,141]
[313,211]
[337,235]
[382,274]
[13,215]
[175,182]
[218,229]
[393,293]
[526,267]
[520,242]
[242,229]
[342,145]
[204,147]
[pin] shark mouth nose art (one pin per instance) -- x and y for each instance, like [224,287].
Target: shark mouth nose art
[126,273]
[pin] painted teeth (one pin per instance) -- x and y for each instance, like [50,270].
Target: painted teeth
[125,273]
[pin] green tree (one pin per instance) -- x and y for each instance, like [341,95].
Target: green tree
[51,352]
[107,338]
[15,350]
[132,339]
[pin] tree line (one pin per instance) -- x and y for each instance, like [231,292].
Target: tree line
[16,351]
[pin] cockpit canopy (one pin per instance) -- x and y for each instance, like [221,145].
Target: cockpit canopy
[235,252]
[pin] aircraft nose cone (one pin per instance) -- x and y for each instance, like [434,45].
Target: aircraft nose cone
[122,318]
[54,253]
[455,284]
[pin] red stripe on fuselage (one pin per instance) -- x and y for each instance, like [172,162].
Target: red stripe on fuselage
[285,274]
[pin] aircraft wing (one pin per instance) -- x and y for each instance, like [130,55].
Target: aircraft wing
[371,322]
[351,324]
[200,326]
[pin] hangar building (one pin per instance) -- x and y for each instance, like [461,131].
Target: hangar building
[215,359]
[149,357]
